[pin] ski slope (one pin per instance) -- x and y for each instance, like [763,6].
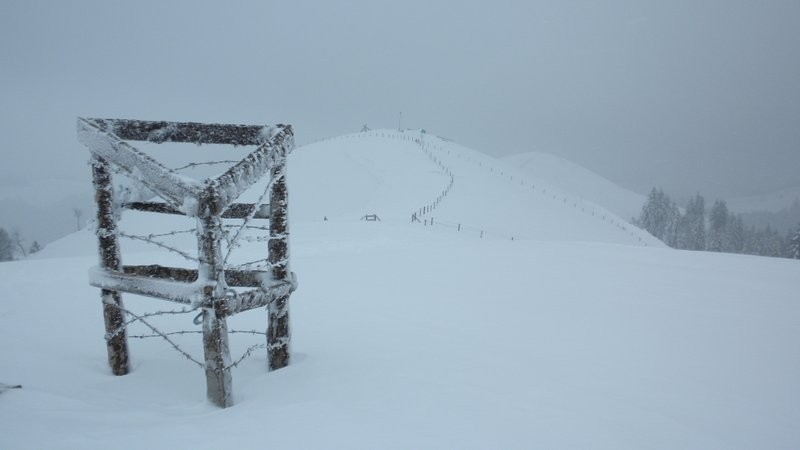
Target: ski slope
[581,332]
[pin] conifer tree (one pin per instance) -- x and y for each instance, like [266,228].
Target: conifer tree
[659,216]
[718,227]
[693,227]
[735,236]
[6,246]
[794,245]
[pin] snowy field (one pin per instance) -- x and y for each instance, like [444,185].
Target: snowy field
[582,332]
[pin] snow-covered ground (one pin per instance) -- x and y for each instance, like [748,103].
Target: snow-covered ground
[574,178]
[581,332]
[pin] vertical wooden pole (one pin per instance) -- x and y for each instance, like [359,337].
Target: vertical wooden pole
[211,274]
[278,332]
[116,335]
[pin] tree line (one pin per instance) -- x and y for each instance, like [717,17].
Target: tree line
[715,229]
[12,246]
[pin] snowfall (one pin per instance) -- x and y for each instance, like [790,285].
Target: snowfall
[515,314]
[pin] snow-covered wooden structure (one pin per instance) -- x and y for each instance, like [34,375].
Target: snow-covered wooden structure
[210,286]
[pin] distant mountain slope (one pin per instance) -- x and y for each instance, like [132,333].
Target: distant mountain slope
[772,202]
[580,181]
[395,174]
[44,212]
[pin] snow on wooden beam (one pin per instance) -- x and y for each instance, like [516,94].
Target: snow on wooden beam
[231,184]
[168,185]
[233,278]
[189,132]
[234,211]
[257,298]
[176,291]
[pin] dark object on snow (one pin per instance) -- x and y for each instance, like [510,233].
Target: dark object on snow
[371,218]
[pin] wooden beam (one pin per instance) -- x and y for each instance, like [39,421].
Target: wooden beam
[234,211]
[188,132]
[233,278]
[116,340]
[257,298]
[109,147]
[278,329]
[176,291]
[237,179]
[211,279]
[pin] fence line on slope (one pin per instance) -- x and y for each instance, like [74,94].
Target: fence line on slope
[593,210]
[436,153]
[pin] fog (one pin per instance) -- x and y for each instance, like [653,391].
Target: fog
[691,96]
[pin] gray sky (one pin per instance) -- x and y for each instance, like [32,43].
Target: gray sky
[688,95]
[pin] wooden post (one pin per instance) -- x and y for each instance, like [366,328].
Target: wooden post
[116,335]
[278,332]
[211,274]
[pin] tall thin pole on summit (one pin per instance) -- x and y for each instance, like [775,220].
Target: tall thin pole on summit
[400,121]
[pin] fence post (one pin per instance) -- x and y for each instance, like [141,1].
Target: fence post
[481,234]
[116,334]
[278,331]
[459,227]
[211,274]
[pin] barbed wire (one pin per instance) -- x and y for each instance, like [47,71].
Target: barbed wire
[247,354]
[204,163]
[139,317]
[166,336]
[255,263]
[159,333]
[181,332]
[234,242]
[171,233]
[159,244]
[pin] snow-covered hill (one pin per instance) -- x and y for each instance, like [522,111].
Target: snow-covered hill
[581,332]
[574,178]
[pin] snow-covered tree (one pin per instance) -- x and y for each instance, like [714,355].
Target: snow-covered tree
[659,216]
[6,246]
[692,228]
[794,245]
[673,223]
[718,227]
[735,236]
[768,242]
[19,246]
[35,247]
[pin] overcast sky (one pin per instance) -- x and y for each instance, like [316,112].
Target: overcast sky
[688,95]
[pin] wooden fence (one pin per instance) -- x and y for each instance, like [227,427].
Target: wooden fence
[209,286]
